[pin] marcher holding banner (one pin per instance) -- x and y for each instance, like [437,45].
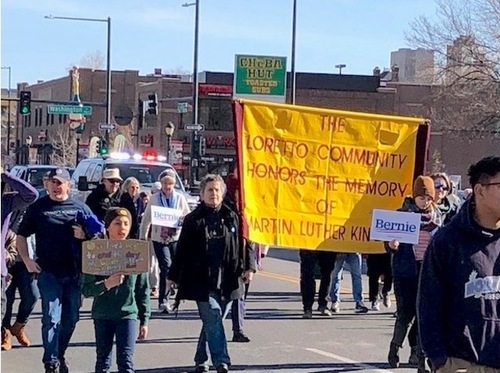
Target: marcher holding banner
[164,212]
[406,264]
[120,301]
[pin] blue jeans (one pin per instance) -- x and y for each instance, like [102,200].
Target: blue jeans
[164,253]
[125,331]
[212,331]
[61,301]
[354,262]
[28,292]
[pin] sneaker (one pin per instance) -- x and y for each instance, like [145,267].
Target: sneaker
[335,307]
[308,314]
[222,368]
[63,365]
[240,337]
[165,308]
[387,300]
[324,311]
[51,368]
[361,308]
[202,368]
[375,306]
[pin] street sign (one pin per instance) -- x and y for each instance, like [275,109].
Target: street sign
[107,126]
[123,115]
[194,127]
[182,107]
[69,109]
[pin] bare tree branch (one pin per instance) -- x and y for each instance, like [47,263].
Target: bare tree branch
[91,60]
[64,146]
[465,38]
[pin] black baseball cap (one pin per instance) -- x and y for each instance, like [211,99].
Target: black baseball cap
[60,174]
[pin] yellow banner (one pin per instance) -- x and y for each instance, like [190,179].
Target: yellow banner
[311,177]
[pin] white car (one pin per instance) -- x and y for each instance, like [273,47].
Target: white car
[88,174]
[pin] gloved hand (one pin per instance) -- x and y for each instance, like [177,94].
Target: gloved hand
[90,223]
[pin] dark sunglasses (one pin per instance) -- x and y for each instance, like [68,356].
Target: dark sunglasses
[441,186]
[114,181]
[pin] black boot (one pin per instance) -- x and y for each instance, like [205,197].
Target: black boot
[413,360]
[393,357]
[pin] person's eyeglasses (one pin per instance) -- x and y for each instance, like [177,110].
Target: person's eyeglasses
[441,186]
[114,181]
[488,184]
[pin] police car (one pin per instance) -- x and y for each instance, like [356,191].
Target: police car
[146,169]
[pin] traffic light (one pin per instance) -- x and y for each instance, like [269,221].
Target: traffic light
[203,146]
[98,146]
[25,102]
[104,148]
[153,104]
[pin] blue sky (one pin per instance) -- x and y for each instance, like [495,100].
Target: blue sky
[159,33]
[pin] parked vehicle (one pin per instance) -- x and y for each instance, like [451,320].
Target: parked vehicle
[32,173]
[88,173]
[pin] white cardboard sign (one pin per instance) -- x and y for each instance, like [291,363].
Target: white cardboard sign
[166,217]
[395,225]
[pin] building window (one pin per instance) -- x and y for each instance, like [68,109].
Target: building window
[60,119]
[216,114]
[36,117]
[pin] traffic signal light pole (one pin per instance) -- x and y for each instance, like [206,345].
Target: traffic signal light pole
[8,110]
[194,135]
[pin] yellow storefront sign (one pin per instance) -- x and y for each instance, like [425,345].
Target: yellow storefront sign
[311,177]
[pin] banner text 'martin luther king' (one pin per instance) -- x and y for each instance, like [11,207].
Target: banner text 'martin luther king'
[311,177]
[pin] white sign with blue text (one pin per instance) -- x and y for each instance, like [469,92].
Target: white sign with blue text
[166,217]
[395,225]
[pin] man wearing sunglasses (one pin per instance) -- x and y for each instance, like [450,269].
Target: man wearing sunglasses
[459,290]
[106,195]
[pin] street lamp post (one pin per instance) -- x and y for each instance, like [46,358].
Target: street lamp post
[108,61]
[29,141]
[8,110]
[292,63]
[340,67]
[78,137]
[169,131]
[194,136]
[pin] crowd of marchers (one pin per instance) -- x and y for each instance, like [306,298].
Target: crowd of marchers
[446,287]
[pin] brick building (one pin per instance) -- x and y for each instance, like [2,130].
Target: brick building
[46,131]
[348,92]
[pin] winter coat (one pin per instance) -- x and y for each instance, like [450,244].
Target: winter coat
[190,267]
[100,201]
[404,263]
[179,203]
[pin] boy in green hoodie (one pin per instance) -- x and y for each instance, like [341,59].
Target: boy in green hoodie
[121,304]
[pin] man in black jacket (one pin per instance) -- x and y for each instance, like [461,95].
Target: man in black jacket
[459,291]
[210,267]
[107,194]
